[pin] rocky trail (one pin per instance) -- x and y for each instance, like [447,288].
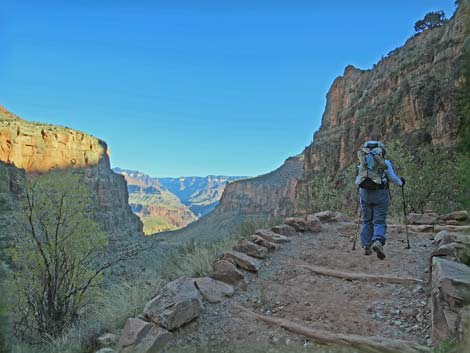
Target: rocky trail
[313,289]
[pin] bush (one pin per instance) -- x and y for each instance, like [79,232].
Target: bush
[433,180]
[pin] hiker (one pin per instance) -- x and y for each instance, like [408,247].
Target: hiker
[374,174]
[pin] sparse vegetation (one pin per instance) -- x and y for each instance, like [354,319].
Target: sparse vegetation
[57,256]
[431,20]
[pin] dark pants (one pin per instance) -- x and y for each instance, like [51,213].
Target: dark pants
[374,207]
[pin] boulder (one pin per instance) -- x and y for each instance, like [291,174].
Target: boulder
[143,337]
[284,229]
[272,236]
[460,216]
[330,216]
[178,303]
[251,249]
[264,243]
[107,339]
[213,291]
[243,260]
[313,223]
[443,237]
[449,294]
[227,272]
[299,224]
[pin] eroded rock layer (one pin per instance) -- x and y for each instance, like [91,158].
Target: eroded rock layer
[272,194]
[410,95]
[38,148]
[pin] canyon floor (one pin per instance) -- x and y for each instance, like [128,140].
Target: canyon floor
[286,288]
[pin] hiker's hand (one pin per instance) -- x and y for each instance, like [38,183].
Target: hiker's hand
[402,181]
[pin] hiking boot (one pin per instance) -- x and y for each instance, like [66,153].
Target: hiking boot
[367,250]
[378,248]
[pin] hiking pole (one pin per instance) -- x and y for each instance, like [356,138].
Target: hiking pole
[406,220]
[358,221]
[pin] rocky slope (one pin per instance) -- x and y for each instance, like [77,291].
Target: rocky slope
[200,194]
[411,96]
[172,203]
[38,148]
[158,208]
[271,194]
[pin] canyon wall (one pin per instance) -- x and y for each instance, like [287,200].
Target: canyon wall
[38,148]
[411,95]
[271,194]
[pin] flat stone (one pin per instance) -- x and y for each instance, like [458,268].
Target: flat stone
[331,216]
[271,236]
[284,229]
[299,224]
[264,243]
[227,272]
[459,229]
[313,223]
[213,291]
[460,216]
[449,294]
[251,249]
[178,303]
[243,260]
[422,219]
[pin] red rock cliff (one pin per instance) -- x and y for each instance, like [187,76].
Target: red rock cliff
[38,148]
[272,193]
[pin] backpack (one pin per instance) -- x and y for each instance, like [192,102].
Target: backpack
[371,169]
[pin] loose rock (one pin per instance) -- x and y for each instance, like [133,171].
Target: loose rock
[251,249]
[227,272]
[284,229]
[271,236]
[299,224]
[242,260]
[213,291]
[178,303]
[263,242]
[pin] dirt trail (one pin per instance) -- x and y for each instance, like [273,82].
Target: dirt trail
[285,288]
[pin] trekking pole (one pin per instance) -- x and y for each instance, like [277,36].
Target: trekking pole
[406,220]
[357,225]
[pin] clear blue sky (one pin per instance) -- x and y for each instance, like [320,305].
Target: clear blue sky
[180,88]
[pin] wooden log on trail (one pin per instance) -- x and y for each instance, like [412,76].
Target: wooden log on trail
[372,344]
[360,276]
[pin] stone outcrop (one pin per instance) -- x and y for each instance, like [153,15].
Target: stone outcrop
[450,294]
[39,148]
[411,95]
[178,303]
[271,194]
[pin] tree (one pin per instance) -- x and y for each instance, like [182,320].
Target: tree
[58,258]
[431,20]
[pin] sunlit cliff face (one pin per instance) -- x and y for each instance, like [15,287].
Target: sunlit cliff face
[38,148]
